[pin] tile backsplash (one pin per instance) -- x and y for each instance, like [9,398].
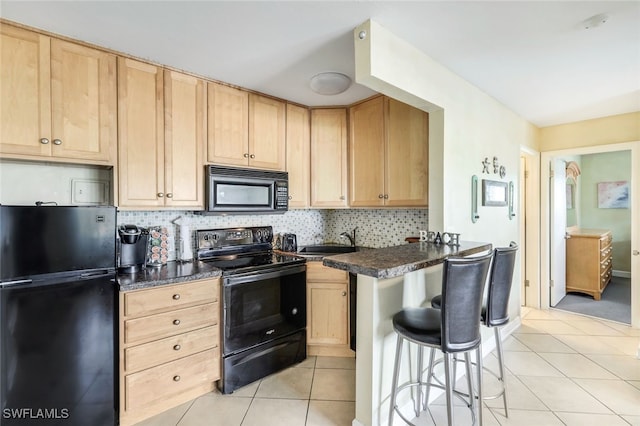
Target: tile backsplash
[376,227]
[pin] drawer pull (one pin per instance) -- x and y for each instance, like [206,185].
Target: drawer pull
[176,322]
[177,347]
[176,297]
[176,378]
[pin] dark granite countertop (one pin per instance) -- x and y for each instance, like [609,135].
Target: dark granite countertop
[394,261]
[171,273]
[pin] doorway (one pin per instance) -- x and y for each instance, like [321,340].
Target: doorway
[592,216]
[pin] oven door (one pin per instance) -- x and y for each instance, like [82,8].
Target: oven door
[261,306]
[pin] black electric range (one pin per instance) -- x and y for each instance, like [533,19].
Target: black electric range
[241,250]
[264,313]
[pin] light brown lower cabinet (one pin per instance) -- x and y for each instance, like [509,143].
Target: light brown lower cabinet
[327,311]
[169,347]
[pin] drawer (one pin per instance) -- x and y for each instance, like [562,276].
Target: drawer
[143,302]
[171,323]
[606,240]
[605,253]
[170,379]
[605,265]
[604,278]
[316,271]
[171,348]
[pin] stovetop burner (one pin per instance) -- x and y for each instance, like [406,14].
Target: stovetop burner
[241,250]
[255,262]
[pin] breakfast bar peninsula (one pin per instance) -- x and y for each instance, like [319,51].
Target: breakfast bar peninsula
[388,280]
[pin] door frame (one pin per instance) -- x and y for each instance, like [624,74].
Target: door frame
[530,229]
[545,159]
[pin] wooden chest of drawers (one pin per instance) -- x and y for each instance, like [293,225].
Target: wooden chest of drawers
[169,347]
[589,261]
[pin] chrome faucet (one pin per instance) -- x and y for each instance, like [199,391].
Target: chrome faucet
[351,236]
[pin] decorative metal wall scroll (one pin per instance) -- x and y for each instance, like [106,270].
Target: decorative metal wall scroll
[474,199]
[511,198]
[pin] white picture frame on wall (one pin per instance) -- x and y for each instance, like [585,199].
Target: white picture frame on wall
[494,193]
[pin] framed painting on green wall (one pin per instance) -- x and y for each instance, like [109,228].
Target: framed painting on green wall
[613,195]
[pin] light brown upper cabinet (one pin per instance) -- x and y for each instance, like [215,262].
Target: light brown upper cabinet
[161,137]
[329,157]
[298,155]
[388,154]
[228,124]
[245,129]
[58,99]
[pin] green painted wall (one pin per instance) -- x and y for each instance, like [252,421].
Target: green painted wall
[607,167]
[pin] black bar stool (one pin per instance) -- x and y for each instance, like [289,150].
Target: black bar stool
[455,328]
[495,312]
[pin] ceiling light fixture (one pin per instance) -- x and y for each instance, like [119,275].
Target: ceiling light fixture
[329,83]
[595,21]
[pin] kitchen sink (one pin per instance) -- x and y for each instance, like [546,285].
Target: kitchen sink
[327,249]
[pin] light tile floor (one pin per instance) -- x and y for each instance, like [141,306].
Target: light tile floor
[562,369]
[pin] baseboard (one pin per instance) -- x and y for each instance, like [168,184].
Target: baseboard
[621,274]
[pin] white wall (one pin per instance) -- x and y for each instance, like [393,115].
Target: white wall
[24,183]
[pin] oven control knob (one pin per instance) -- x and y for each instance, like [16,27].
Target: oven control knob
[294,311]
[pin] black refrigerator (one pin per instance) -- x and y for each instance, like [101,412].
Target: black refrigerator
[58,310]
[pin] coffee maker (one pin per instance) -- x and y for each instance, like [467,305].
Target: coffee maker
[132,248]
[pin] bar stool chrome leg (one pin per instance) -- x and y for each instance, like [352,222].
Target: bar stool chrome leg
[394,383]
[479,380]
[418,401]
[496,331]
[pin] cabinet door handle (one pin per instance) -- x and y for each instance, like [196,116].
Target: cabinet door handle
[160,194]
[380,196]
[177,347]
[57,142]
[290,197]
[342,197]
[344,293]
[176,297]
[176,322]
[245,155]
[386,196]
[252,156]
[169,195]
[176,378]
[44,141]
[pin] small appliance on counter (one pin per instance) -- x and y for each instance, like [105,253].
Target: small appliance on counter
[132,248]
[289,243]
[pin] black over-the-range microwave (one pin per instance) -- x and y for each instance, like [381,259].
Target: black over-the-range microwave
[249,191]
